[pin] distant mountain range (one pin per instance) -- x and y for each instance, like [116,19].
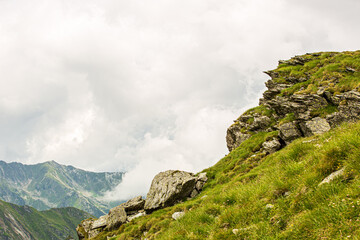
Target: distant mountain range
[26,223]
[52,185]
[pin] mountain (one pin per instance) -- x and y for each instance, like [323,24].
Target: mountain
[51,185]
[24,222]
[293,170]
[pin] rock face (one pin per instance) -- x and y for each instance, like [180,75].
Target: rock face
[169,187]
[298,105]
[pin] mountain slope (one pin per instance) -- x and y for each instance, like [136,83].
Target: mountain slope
[49,185]
[24,222]
[305,130]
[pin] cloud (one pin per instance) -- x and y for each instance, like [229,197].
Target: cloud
[143,86]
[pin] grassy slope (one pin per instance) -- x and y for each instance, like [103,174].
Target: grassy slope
[51,224]
[245,182]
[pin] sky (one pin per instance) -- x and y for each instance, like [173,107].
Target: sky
[146,86]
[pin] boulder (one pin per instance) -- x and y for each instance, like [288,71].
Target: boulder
[133,205]
[289,132]
[132,217]
[272,145]
[169,187]
[100,223]
[234,136]
[90,228]
[315,126]
[178,215]
[85,229]
[332,176]
[116,217]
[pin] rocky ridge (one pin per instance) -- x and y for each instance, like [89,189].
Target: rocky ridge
[297,103]
[167,189]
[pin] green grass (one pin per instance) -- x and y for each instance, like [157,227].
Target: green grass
[244,182]
[329,70]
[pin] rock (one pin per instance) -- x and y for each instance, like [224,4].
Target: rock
[202,177]
[349,69]
[235,137]
[350,105]
[85,229]
[300,104]
[116,217]
[100,223]
[289,132]
[132,217]
[235,231]
[272,146]
[315,126]
[169,187]
[194,193]
[178,215]
[332,176]
[260,123]
[133,205]
[269,206]
[335,119]
[201,180]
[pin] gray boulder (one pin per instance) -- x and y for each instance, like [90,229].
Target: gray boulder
[315,126]
[86,230]
[116,217]
[177,215]
[169,187]
[289,132]
[234,136]
[272,145]
[333,176]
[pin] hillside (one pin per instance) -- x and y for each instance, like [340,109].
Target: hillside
[51,185]
[24,222]
[293,167]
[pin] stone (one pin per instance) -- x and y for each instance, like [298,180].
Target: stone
[133,205]
[289,132]
[116,217]
[85,229]
[178,215]
[199,185]
[271,146]
[235,231]
[202,177]
[168,188]
[269,206]
[333,176]
[315,126]
[194,193]
[100,223]
[261,122]
[132,217]
[234,136]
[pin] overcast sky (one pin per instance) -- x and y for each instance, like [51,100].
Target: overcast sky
[145,86]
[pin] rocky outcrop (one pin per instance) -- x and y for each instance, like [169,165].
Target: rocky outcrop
[167,188]
[297,105]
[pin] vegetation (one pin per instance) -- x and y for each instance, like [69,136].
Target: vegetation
[272,197]
[335,72]
[19,221]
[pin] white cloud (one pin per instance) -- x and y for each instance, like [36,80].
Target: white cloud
[145,86]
